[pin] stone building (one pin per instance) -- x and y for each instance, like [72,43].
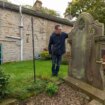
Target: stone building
[16,31]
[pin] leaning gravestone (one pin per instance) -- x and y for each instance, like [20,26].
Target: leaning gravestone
[87,42]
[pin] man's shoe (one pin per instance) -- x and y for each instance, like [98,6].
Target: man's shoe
[56,75]
[53,75]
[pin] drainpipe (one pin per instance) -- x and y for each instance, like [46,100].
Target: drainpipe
[21,32]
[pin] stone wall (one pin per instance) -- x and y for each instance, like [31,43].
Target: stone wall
[10,34]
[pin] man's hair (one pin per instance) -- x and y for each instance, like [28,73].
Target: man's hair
[57,26]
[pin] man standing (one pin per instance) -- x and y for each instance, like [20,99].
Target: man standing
[57,48]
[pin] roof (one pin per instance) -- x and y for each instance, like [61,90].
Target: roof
[13,7]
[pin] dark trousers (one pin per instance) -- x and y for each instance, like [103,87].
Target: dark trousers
[56,61]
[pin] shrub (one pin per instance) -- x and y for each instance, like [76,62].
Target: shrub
[51,89]
[4,79]
[38,86]
[45,55]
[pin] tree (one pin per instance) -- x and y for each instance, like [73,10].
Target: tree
[6,1]
[49,11]
[94,7]
[27,6]
[45,10]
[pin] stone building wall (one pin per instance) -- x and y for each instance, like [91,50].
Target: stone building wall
[10,33]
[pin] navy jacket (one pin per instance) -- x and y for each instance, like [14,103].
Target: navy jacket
[57,43]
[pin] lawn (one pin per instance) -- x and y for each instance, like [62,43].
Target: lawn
[21,74]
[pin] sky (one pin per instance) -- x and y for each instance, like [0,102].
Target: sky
[58,5]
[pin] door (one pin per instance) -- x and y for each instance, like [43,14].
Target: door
[0,54]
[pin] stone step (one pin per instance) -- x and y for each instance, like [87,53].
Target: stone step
[9,102]
[91,91]
[94,102]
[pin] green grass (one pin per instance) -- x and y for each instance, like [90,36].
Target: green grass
[21,75]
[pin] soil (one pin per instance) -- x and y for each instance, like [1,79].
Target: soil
[66,96]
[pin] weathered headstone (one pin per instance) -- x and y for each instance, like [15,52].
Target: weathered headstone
[88,51]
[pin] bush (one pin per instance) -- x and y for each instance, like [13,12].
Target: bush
[51,89]
[45,55]
[38,87]
[4,79]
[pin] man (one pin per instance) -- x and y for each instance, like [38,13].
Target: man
[57,48]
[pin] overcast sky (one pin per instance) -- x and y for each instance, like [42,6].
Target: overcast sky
[58,5]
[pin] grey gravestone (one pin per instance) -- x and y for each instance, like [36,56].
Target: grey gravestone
[88,51]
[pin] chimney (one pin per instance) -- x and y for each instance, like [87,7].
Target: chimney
[37,6]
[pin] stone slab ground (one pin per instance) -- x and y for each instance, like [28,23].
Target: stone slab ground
[93,92]
[9,102]
[94,102]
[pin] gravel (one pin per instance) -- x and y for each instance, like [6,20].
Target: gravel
[65,96]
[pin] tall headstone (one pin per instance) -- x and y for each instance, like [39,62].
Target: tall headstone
[87,51]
